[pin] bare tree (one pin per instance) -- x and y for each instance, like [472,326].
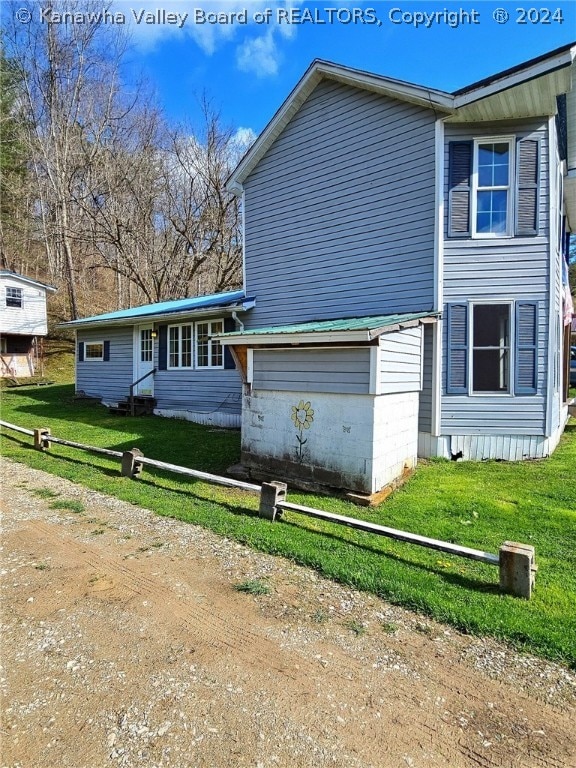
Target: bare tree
[113,194]
[70,89]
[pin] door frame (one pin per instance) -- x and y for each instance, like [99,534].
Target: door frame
[139,368]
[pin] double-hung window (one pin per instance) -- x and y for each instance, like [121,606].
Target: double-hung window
[492,348]
[209,353]
[492,188]
[180,346]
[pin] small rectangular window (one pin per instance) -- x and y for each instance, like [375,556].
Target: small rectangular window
[94,350]
[13,297]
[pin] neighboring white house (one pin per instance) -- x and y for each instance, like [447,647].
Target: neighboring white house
[23,323]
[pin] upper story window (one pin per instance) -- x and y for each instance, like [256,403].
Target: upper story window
[13,297]
[493,187]
[492,214]
[209,352]
[180,346]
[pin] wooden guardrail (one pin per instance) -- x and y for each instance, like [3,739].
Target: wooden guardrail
[516,562]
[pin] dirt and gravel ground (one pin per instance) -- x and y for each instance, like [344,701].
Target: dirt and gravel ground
[124,643]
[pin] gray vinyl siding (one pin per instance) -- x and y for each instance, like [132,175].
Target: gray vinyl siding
[425,411]
[401,361]
[499,269]
[340,211]
[338,370]
[206,391]
[109,380]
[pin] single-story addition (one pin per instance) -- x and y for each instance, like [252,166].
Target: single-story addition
[23,324]
[164,355]
[335,402]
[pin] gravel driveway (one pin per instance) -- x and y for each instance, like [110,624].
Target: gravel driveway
[125,643]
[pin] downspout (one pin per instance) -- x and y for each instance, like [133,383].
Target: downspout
[238,321]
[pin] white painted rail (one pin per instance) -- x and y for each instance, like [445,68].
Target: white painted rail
[393,533]
[16,428]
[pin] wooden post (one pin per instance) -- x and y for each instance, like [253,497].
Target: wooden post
[517,569]
[270,495]
[131,467]
[42,439]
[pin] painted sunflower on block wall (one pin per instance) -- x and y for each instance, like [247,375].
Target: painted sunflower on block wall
[302,415]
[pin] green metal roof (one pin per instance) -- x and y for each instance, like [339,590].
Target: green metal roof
[344,324]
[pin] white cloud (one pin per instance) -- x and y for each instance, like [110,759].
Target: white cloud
[259,55]
[243,139]
[153,27]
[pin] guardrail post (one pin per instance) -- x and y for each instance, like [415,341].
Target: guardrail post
[42,439]
[517,569]
[131,467]
[270,495]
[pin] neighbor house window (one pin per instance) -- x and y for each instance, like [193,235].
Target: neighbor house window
[180,346]
[209,352]
[492,348]
[94,350]
[492,194]
[13,297]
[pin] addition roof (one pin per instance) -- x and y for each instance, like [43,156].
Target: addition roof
[228,301]
[342,329]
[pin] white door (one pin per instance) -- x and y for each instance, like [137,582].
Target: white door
[144,354]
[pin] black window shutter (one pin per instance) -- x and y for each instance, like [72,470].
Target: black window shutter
[526,368]
[459,196]
[80,351]
[527,171]
[106,355]
[162,347]
[229,326]
[457,373]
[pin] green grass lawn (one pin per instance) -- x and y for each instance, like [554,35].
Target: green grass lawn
[474,504]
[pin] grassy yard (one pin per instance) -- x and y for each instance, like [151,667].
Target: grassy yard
[475,504]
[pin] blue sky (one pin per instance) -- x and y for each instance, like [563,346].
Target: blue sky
[248,69]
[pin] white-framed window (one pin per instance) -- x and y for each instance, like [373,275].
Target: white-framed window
[94,350]
[209,352]
[180,346]
[490,348]
[13,297]
[492,204]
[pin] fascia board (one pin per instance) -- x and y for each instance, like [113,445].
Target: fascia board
[537,70]
[294,339]
[166,316]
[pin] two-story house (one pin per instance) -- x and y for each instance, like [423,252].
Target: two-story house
[23,324]
[405,248]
